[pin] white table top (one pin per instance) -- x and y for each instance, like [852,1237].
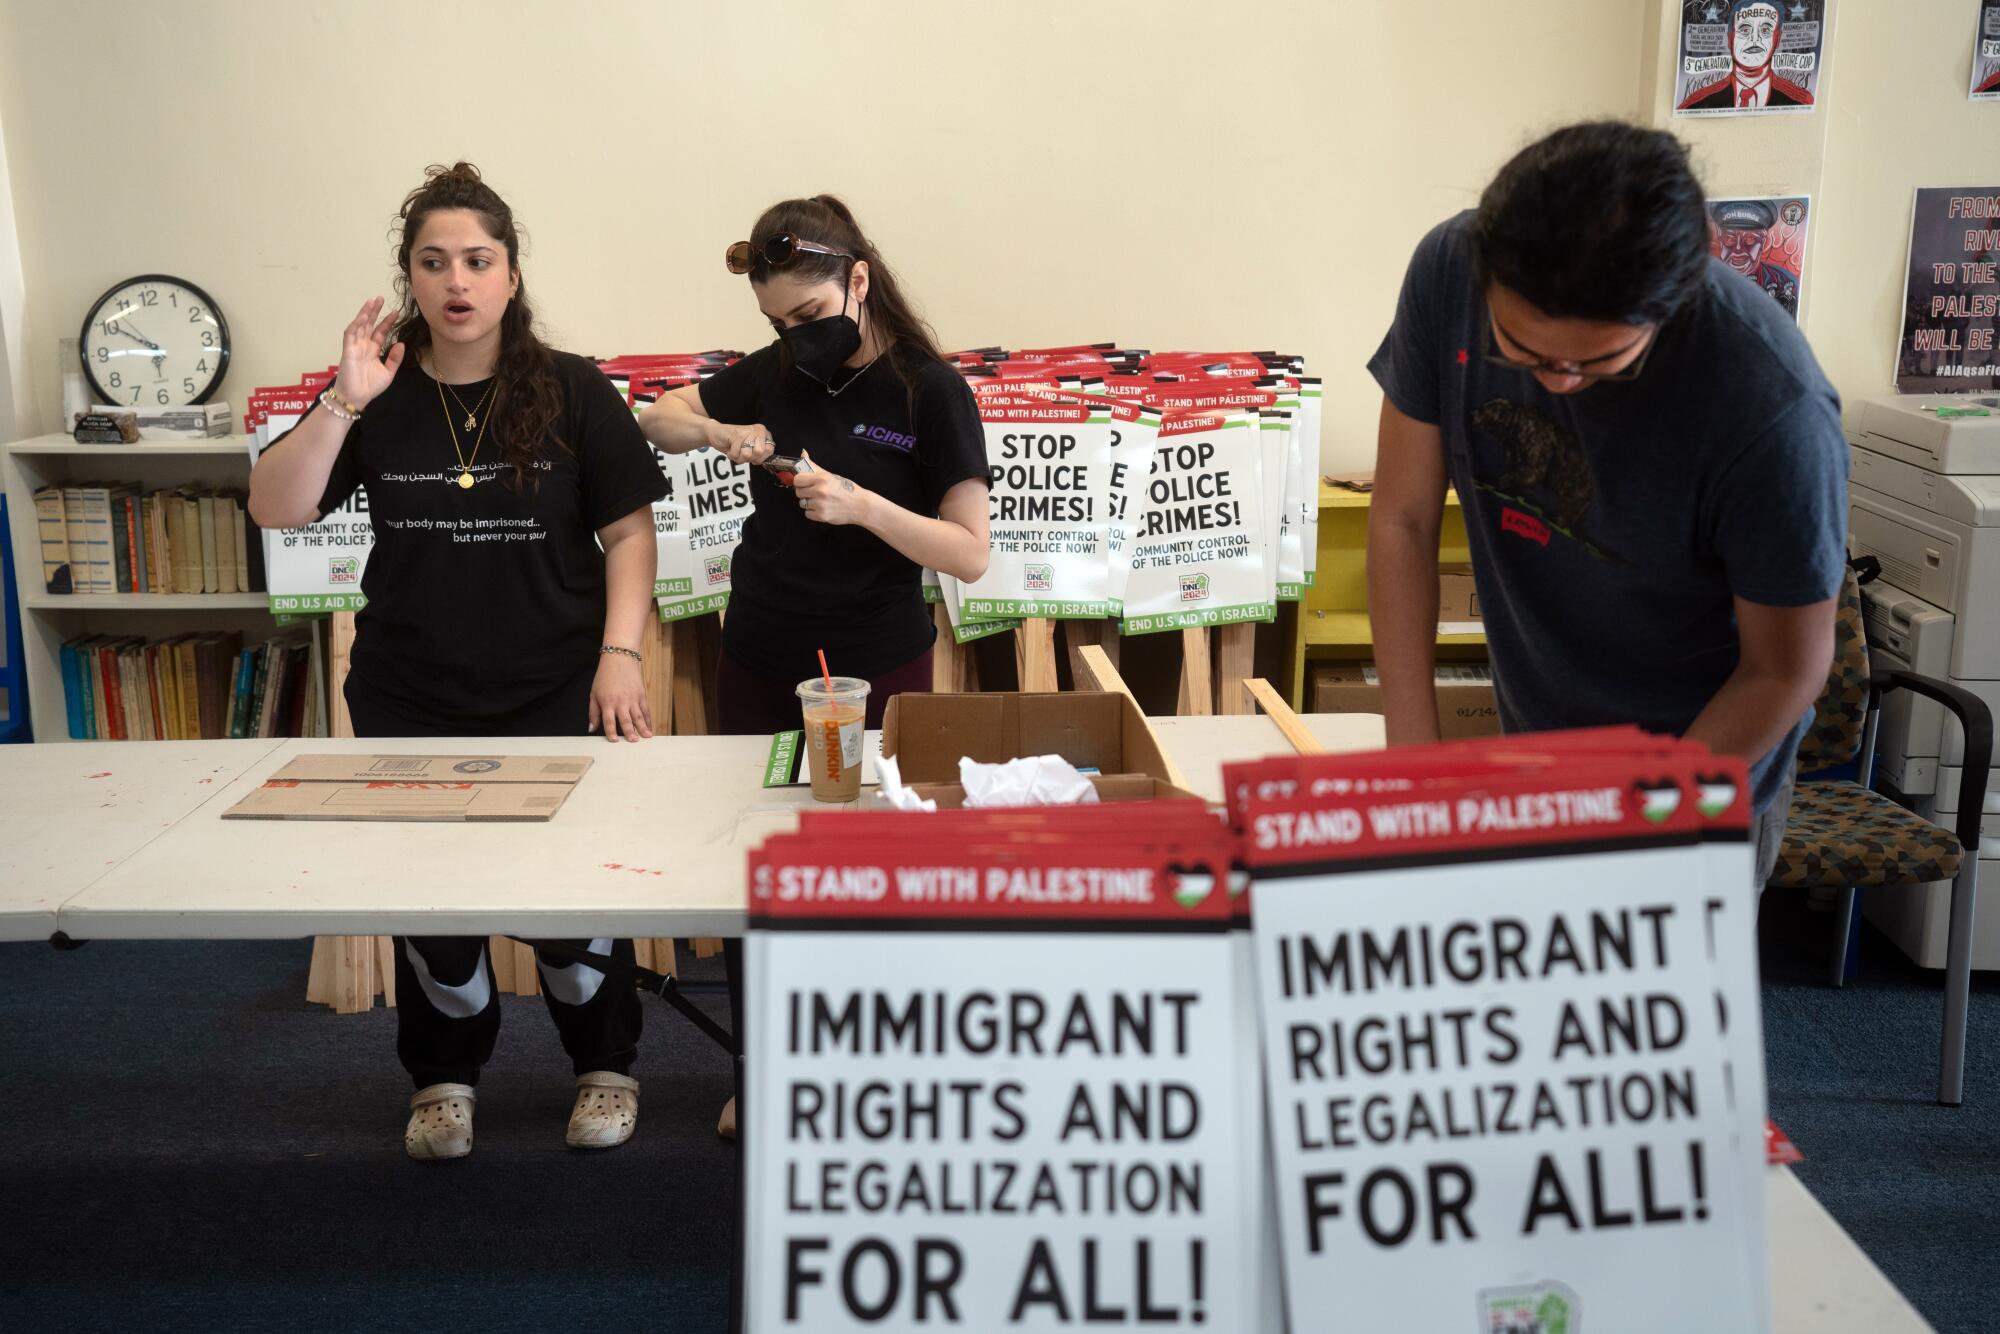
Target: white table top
[70,813]
[1821,1282]
[652,842]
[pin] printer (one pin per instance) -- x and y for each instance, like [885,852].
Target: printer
[1924,500]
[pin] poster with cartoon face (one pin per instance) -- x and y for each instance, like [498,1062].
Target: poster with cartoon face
[1986,53]
[1765,241]
[1749,57]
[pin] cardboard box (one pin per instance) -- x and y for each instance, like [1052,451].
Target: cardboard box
[1458,599]
[415,787]
[1466,707]
[926,734]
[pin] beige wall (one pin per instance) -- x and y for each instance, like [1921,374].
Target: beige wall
[1265,173]
[1262,182]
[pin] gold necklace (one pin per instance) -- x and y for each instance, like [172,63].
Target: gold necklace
[464,463]
[472,413]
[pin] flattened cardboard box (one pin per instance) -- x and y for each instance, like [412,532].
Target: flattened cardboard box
[928,733]
[415,787]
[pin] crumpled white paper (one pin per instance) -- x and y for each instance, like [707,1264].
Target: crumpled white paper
[1037,780]
[889,778]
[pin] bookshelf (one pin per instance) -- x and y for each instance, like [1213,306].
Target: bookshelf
[48,619]
[1332,621]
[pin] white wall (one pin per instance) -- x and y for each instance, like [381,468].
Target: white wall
[1173,173]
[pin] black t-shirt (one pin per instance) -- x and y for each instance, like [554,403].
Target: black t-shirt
[797,585]
[483,599]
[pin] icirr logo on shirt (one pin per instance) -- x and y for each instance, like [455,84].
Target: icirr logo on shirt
[343,570]
[882,435]
[717,569]
[1037,578]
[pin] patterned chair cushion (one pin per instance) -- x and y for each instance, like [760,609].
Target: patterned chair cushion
[1841,834]
[1835,735]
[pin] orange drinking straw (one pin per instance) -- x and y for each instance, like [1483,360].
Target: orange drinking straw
[824,673]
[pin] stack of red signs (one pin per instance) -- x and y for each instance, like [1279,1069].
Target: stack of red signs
[1172,490]
[992,1078]
[1508,1009]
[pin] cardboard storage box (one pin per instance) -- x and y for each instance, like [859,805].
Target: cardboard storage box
[415,787]
[1458,599]
[1465,696]
[926,735]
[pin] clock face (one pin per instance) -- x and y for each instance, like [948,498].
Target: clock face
[154,341]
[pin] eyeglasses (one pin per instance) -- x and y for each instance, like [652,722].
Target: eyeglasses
[1568,369]
[779,251]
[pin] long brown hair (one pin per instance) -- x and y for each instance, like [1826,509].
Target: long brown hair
[824,219]
[527,405]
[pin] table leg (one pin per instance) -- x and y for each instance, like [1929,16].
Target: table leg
[732,963]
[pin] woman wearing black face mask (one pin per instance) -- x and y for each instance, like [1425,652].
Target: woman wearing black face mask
[897,475]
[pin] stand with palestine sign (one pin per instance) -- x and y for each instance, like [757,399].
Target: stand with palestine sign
[992,1074]
[1508,1013]
[316,568]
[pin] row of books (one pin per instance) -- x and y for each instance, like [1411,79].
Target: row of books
[194,687]
[114,538]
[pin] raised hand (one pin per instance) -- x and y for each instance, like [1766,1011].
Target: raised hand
[364,373]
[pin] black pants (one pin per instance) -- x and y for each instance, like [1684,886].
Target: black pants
[446,1015]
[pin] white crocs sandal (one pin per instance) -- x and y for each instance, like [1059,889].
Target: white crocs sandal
[607,1111]
[440,1122]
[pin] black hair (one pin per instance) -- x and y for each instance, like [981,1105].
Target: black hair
[825,219]
[1597,221]
[527,396]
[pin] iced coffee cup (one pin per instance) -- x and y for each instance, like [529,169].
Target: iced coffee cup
[834,718]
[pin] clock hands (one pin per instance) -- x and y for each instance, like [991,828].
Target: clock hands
[159,358]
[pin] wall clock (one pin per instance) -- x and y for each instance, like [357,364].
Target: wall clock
[154,341]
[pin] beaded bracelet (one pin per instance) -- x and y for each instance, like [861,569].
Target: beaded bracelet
[338,406]
[631,653]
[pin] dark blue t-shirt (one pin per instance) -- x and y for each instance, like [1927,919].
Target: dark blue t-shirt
[1610,528]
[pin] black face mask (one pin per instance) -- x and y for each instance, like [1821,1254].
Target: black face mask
[821,347]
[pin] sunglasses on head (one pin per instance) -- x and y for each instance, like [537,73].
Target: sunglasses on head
[779,251]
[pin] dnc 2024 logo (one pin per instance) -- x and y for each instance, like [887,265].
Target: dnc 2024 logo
[1535,1308]
[1038,578]
[1194,588]
[717,569]
[343,569]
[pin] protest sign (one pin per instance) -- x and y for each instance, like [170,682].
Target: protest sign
[1749,57]
[1986,52]
[945,1134]
[1951,293]
[1049,507]
[1494,1056]
[1199,557]
[715,498]
[316,568]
